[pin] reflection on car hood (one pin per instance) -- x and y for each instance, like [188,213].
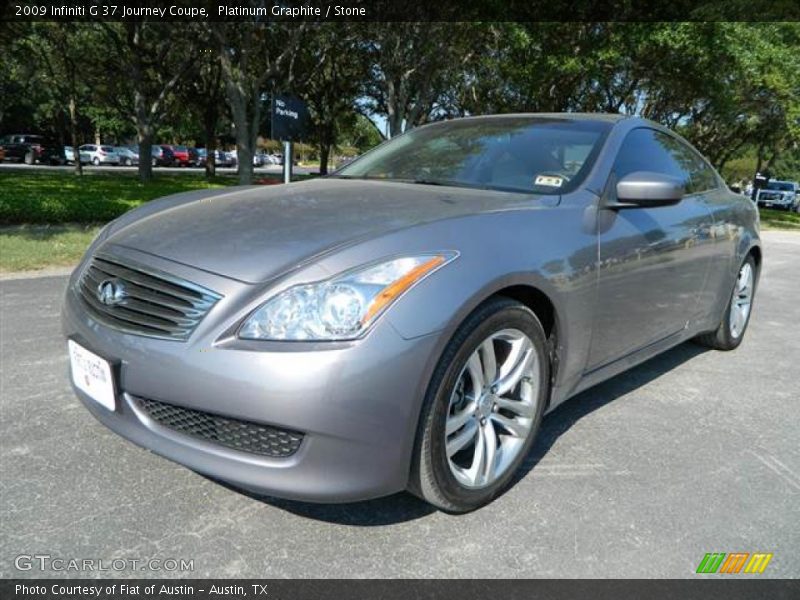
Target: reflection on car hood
[255,233]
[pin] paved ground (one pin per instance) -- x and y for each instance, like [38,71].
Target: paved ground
[693,452]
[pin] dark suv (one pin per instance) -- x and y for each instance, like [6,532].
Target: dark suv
[32,149]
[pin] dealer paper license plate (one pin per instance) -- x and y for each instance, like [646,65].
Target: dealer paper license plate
[92,375]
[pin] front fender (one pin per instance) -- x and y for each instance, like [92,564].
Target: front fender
[546,248]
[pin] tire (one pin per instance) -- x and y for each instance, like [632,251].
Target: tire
[728,336]
[439,471]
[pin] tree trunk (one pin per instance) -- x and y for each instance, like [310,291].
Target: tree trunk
[144,131]
[246,132]
[324,153]
[145,139]
[210,129]
[73,134]
[244,156]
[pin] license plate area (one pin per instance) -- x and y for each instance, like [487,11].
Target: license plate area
[93,375]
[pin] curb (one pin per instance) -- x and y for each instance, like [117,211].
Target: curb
[37,274]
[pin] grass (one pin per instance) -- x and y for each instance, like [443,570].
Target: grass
[49,218]
[779,219]
[56,197]
[28,247]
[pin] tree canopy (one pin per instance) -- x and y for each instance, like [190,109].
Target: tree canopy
[733,89]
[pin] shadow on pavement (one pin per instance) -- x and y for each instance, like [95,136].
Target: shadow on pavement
[403,507]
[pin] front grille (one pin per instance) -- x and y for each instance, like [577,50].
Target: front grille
[150,303]
[225,431]
[768,196]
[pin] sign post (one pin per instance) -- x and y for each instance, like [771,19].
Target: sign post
[288,160]
[290,121]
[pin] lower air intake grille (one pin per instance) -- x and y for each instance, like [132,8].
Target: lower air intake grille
[231,433]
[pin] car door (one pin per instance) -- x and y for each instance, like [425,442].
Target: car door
[17,148]
[654,261]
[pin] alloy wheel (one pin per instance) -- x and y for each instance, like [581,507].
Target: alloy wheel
[492,408]
[741,300]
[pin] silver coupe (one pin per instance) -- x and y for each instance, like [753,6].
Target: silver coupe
[405,323]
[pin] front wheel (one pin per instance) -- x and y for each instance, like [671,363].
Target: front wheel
[482,409]
[730,332]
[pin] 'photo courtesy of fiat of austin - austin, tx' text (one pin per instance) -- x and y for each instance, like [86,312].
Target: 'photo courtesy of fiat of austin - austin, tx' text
[405,323]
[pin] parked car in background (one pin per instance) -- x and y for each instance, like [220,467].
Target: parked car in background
[181,154]
[99,154]
[200,157]
[224,159]
[128,155]
[31,149]
[258,159]
[162,156]
[193,157]
[779,194]
[69,155]
[231,158]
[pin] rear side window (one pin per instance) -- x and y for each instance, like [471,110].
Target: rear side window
[650,150]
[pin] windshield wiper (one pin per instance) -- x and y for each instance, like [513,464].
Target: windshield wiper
[443,182]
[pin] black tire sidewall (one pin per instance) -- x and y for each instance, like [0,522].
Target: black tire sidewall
[494,316]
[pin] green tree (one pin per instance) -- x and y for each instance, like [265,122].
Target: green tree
[257,58]
[144,70]
[413,66]
[331,69]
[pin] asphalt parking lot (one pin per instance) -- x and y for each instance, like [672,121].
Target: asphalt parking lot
[695,451]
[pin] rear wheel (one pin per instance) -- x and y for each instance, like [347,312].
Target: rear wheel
[731,330]
[482,409]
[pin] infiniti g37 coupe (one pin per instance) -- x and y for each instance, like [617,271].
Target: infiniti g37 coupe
[405,323]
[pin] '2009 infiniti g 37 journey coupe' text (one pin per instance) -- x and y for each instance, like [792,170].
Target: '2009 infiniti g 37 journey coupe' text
[406,322]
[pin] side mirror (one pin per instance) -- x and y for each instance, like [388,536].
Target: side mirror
[643,189]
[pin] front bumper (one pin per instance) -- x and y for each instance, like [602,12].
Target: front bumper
[783,202]
[356,403]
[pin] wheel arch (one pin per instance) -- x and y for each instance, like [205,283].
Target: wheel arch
[525,289]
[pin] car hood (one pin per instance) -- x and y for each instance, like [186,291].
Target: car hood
[253,234]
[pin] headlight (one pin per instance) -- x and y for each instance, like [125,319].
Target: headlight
[343,307]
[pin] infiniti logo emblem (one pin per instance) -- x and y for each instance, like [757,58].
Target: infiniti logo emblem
[111,292]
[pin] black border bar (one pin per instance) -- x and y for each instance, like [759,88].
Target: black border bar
[700,588]
[394,10]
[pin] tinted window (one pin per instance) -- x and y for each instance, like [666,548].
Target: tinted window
[783,186]
[525,154]
[650,150]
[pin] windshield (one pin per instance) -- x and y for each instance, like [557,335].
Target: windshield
[519,154]
[783,186]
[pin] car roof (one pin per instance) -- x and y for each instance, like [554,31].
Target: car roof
[572,116]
